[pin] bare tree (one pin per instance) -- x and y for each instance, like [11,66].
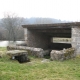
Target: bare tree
[12,24]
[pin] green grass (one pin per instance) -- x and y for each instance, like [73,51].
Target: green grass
[3,49]
[37,70]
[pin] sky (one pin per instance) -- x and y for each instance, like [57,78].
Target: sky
[59,9]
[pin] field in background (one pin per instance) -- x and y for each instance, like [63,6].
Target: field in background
[61,40]
[38,70]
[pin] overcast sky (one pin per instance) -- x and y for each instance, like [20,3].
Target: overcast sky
[58,9]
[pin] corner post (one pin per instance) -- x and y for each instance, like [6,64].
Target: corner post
[76,39]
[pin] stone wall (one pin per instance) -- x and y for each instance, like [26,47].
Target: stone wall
[76,39]
[38,40]
[62,54]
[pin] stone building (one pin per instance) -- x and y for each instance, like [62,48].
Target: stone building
[40,35]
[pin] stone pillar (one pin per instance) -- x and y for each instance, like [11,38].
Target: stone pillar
[25,34]
[37,39]
[76,39]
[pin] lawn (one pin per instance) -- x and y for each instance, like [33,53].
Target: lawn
[38,70]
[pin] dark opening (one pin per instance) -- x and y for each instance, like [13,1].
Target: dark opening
[58,43]
[59,46]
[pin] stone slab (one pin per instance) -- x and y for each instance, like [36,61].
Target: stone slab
[16,52]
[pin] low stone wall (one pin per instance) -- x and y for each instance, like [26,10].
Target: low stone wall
[37,52]
[62,54]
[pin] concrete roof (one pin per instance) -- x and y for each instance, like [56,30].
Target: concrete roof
[54,25]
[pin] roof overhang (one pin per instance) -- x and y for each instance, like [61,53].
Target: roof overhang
[54,25]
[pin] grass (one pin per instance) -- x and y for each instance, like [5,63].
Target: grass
[3,49]
[37,70]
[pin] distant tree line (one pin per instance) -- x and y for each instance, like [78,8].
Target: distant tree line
[11,26]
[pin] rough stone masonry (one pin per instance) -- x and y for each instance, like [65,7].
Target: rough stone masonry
[76,39]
